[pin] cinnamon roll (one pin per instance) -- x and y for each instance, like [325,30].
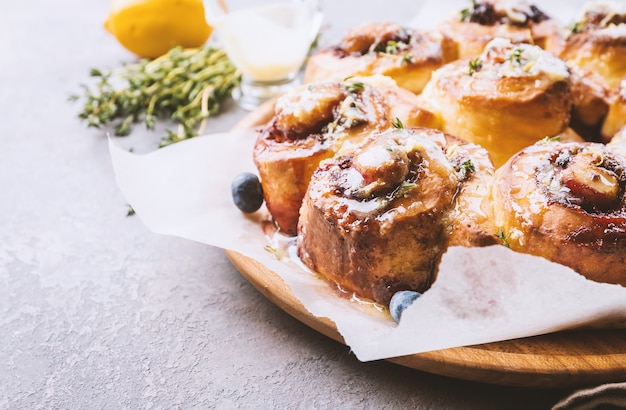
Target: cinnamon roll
[597,41]
[407,55]
[376,220]
[566,202]
[509,97]
[483,21]
[316,121]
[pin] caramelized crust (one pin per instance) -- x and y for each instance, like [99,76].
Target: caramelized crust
[565,202]
[483,21]
[376,220]
[315,122]
[509,97]
[406,55]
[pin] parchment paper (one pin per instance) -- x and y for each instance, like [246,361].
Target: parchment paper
[481,295]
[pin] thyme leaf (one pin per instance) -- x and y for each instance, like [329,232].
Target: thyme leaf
[516,55]
[355,87]
[397,123]
[475,65]
[185,86]
[547,140]
[503,237]
[465,168]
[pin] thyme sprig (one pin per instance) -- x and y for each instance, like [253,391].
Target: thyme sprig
[465,169]
[474,66]
[516,56]
[397,123]
[355,87]
[504,237]
[185,86]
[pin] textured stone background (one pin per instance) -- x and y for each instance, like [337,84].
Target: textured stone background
[97,312]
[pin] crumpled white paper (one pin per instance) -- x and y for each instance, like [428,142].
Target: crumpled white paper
[481,295]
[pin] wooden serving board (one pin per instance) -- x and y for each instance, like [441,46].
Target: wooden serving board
[566,359]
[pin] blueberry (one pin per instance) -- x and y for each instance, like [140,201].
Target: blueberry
[400,301]
[247,192]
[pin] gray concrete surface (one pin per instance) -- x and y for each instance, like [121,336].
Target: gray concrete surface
[98,313]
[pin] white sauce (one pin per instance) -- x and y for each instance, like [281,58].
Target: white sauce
[269,43]
[530,61]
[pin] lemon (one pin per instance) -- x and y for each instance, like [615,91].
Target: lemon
[150,28]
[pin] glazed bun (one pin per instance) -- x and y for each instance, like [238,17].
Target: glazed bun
[509,97]
[404,54]
[519,21]
[597,41]
[566,202]
[315,122]
[376,220]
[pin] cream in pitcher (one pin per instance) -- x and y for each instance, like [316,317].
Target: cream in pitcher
[268,43]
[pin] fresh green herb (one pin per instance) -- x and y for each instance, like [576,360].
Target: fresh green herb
[503,237]
[547,140]
[355,87]
[466,168]
[272,250]
[391,47]
[130,211]
[516,55]
[466,13]
[184,85]
[407,58]
[577,27]
[405,187]
[397,123]
[475,65]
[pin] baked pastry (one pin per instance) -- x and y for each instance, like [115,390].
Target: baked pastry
[508,98]
[566,202]
[316,121]
[407,55]
[376,220]
[597,41]
[483,21]
[616,115]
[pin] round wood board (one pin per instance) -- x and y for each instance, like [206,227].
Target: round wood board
[566,359]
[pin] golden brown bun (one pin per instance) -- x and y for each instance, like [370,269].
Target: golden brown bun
[565,202]
[316,121]
[406,55]
[597,41]
[616,116]
[377,220]
[508,98]
[485,20]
